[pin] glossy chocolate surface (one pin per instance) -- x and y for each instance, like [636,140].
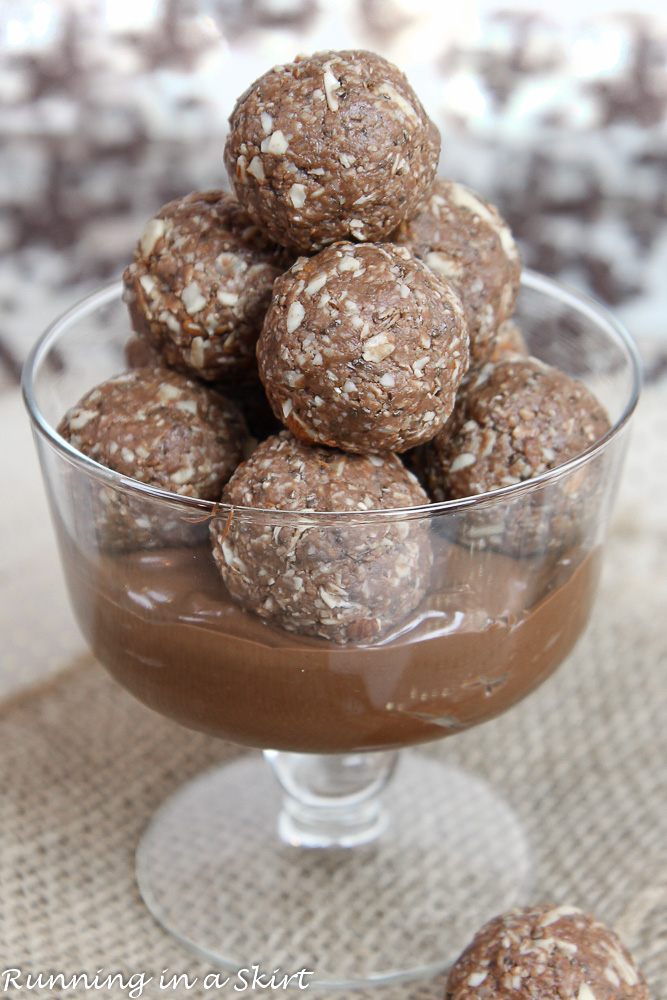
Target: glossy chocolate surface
[489,631]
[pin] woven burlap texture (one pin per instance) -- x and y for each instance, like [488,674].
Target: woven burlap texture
[583,761]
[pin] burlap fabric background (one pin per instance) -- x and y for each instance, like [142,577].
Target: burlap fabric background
[583,761]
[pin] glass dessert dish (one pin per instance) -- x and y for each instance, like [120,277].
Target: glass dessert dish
[340,867]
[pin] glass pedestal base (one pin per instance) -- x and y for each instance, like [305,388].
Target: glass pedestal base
[214,872]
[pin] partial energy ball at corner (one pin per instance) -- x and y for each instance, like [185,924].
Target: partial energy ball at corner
[546,951]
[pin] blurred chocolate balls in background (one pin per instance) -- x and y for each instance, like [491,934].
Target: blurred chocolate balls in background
[558,117]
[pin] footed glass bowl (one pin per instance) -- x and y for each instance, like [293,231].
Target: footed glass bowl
[334,869]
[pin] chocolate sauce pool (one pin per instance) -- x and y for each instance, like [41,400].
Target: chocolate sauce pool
[163,624]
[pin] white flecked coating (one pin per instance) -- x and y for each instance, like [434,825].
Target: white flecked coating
[514,420]
[164,430]
[200,284]
[513,956]
[345,583]
[332,146]
[363,349]
[464,239]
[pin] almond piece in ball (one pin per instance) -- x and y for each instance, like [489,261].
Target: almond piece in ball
[334,146]
[200,284]
[341,580]
[546,952]
[363,349]
[464,239]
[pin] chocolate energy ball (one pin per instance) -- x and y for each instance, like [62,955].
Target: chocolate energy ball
[363,348]
[330,147]
[464,239]
[514,420]
[200,284]
[342,581]
[542,953]
[164,430]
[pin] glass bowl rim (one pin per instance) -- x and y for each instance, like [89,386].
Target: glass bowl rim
[529,279]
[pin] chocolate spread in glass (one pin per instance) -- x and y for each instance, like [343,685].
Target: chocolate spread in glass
[162,623]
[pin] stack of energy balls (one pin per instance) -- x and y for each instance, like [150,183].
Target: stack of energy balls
[342,293]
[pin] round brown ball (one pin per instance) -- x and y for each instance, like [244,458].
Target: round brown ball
[546,952]
[161,428]
[342,581]
[363,349]
[464,239]
[513,420]
[200,284]
[330,147]
[166,431]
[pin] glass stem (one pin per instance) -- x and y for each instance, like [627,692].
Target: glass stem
[331,799]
